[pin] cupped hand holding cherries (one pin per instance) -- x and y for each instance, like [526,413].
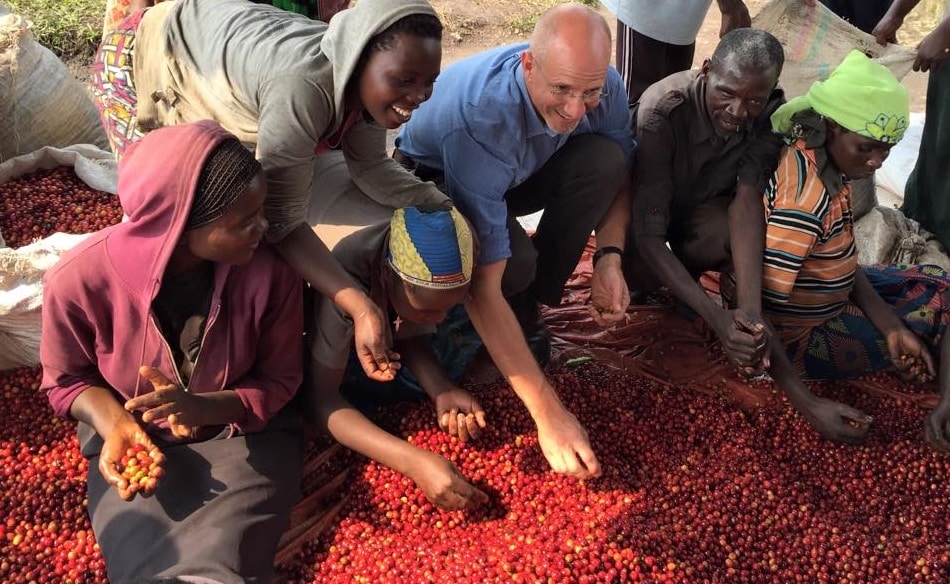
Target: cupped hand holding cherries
[915,368]
[131,462]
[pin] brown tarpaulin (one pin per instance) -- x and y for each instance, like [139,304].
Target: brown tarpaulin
[657,341]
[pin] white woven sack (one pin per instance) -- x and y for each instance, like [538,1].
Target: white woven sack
[40,102]
[22,270]
[21,296]
[816,40]
[94,166]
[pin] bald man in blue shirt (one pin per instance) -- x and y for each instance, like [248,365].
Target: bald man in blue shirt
[524,128]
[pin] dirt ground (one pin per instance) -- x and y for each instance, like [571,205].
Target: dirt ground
[476,25]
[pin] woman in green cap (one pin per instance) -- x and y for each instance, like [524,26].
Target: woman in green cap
[832,318]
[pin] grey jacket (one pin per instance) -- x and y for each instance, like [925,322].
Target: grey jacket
[277,81]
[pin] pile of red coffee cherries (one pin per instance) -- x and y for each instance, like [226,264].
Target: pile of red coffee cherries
[695,489]
[45,535]
[44,202]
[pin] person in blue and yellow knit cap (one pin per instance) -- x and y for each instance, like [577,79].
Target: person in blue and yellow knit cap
[416,268]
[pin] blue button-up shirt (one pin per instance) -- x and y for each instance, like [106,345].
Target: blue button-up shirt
[482,131]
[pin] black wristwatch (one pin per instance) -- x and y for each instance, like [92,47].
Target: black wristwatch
[604,251]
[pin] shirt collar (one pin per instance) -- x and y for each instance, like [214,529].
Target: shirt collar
[534,123]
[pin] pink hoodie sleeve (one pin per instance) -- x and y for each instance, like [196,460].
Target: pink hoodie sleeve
[278,369]
[67,349]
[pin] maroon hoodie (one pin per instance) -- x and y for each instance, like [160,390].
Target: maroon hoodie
[98,325]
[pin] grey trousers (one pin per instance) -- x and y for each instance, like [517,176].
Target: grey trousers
[218,512]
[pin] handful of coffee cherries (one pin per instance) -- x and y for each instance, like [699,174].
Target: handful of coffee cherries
[142,468]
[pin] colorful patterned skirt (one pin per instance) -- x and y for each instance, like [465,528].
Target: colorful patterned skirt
[113,90]
[849,345]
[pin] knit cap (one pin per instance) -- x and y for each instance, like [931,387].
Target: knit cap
[431,248]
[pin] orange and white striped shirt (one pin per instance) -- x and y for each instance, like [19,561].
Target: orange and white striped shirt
[810,257]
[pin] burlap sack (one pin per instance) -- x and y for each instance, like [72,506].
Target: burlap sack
[886,236]
[816,40]
[22,269]
[40,102]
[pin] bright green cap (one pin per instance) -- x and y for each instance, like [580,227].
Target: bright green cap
[860,95]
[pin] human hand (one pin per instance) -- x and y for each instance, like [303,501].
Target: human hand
[443,484]
[738,17]
[933,50]
[371,339]
[609,296]
[836,421]
[761,336]
[885,31]
[459,413]
[909,355]
[124,437]
[745,340]
[168,401]
[565,444]
[937,427]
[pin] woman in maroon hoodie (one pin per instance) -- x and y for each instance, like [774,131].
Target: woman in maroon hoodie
[175,330]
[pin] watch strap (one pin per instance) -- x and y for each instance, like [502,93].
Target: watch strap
[601,252]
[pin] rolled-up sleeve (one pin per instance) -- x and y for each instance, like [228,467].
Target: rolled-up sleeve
[477,181]
[278,367]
